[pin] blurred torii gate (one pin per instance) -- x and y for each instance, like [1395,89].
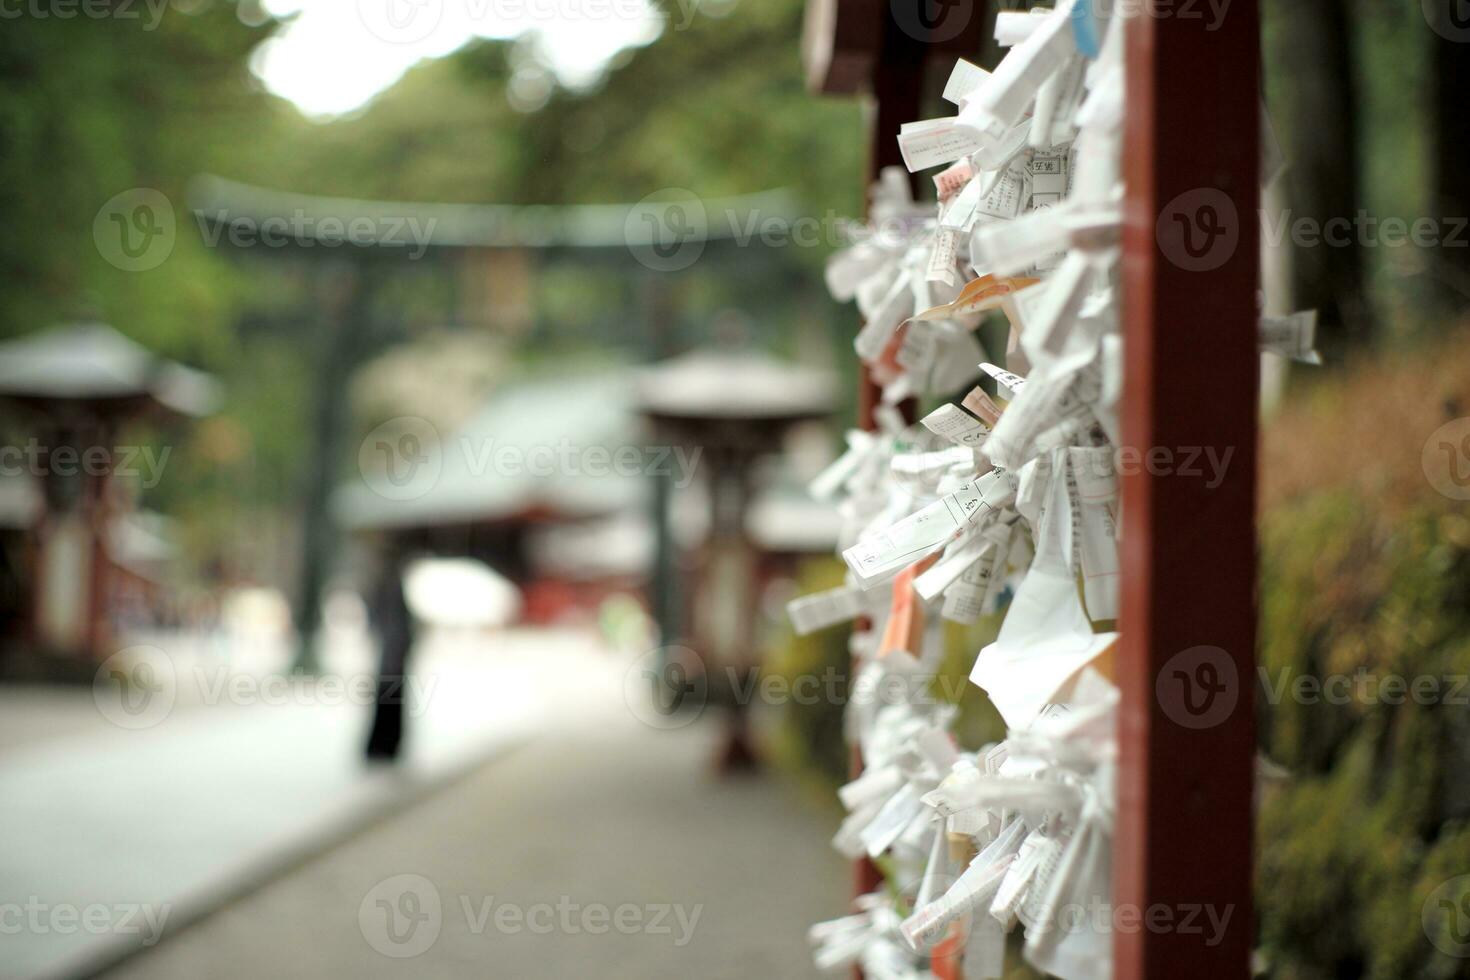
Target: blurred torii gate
[351,245]
[1184,823]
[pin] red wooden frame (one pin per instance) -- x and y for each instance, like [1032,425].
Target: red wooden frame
[1187,732]
[1187,652]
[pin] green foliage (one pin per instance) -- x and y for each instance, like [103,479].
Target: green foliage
[1373,816]
[718,107]
[90,108]
[810,740]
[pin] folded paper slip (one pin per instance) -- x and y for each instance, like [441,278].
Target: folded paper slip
[979,295]
[819,610]
[877,557]
[1045,640]
[905,616]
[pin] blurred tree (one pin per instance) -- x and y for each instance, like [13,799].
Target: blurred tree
[1312,52]
[1450,64]
[718,107]
[94,106]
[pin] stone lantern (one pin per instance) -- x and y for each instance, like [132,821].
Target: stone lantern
[734,406]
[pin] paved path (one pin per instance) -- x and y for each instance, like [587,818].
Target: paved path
[599,848]
[117,823]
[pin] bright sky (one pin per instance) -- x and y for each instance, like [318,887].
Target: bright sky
[337,54]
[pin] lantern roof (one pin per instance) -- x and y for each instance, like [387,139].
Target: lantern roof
[92,362]
[720,385]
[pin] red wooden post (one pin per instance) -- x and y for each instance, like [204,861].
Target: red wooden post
[1186,663]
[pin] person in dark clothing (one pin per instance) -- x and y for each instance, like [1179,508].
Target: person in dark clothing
[395,630]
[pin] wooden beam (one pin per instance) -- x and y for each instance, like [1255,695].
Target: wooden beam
[845,44]
[1186,664]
